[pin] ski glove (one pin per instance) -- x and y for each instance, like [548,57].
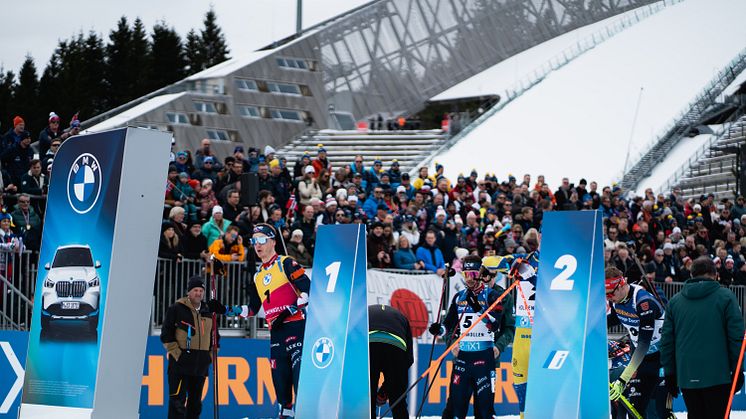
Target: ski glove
[216,306]
[617,388]
[436,329]
[471,299]
[381,397]
[284,314]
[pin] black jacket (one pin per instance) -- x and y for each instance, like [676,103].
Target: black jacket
[387,319]
[187,337]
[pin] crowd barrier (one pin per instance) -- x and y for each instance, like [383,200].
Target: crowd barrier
[419,292]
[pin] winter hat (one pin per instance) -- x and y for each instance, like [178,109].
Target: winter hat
[400,189]
[697,208]
[268,150]
[510,243]
[238,149]
[217,209]
[309,169]
[659,252]
[461,253]
[729,259]
[490,230]
[274,163]
[206,181]
[208,159]
[184,175]
[352,198]
[440,211]
[53,117]
[676,230]
[458,219]
[668,246]
[18,120]
[330,202]
[341,194]
[297,232]
[195,282]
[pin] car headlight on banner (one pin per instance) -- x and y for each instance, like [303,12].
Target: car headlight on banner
[93,282]
[48,283]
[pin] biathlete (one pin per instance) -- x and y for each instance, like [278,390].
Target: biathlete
[642,315]
[474,366]
[281,287]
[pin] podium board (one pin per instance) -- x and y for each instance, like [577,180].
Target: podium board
[568,373]
[93,295]
[334,375]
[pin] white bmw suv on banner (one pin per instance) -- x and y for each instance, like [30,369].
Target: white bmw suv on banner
[72,287]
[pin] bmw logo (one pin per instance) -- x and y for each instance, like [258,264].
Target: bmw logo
[84,183]
[322,352]
[267,279]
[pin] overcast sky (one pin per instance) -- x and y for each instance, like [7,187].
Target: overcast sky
[35,26]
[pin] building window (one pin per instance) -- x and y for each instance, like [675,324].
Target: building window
[286,115]
[284,88]
[177,118]
[218,134]
[249,111]
[292,63]
[205,107]
[246,85]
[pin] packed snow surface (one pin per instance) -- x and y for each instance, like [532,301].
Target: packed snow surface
[578,121]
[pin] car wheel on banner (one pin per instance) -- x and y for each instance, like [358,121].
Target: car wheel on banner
[412,306]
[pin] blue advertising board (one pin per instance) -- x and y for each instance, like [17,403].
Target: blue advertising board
[71,290]
[569,343]
[245,388]
[334,370]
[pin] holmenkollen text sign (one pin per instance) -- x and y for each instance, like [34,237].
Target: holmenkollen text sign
[568,347]
[92,300]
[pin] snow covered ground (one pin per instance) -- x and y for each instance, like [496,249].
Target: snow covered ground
[577,122]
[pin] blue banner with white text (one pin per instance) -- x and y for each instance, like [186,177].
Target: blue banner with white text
[569,346]
[245,388]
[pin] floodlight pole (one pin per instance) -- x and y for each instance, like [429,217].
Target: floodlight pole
[299,17]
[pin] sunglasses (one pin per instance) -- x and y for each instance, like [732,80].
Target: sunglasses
[259,240]
[470,274]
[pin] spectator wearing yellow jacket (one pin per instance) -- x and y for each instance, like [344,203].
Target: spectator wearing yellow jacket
[229,247]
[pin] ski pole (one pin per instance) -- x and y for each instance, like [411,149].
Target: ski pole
[453,345]
[735,377]
[214,296]
[628,406]
[432,345]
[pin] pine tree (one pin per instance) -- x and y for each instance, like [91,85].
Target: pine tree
[26,96]
[167,61]
[90,77]
[139,62]
[213,41]
[50,84]
[7,85]
[194,53]
[117,63]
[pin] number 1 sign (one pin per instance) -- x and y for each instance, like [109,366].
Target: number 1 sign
[568,347]
[334,380]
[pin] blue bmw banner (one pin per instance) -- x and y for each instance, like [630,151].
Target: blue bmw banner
[568,347]
[334,370]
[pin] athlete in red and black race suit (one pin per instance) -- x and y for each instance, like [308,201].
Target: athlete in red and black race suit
[474,366]
[280,287]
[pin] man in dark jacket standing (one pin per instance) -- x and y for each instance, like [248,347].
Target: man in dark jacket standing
[701,341]
[187,337]
[391,353]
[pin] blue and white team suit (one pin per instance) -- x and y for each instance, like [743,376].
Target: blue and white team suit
[474,366]
[642,315]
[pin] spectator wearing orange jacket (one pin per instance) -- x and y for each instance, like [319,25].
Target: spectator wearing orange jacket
[229,247]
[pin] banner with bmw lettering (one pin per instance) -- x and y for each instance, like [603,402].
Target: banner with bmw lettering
[103,210]
[568,347]
[334,371]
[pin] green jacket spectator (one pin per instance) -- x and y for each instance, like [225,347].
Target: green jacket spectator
[216,225]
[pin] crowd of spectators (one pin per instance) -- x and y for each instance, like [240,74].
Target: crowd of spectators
[425,221]
[417,223]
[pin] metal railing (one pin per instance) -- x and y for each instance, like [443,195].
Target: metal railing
[17,284]
[555,63]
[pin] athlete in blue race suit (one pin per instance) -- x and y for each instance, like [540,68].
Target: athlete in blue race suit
[642,315]
[474,366]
